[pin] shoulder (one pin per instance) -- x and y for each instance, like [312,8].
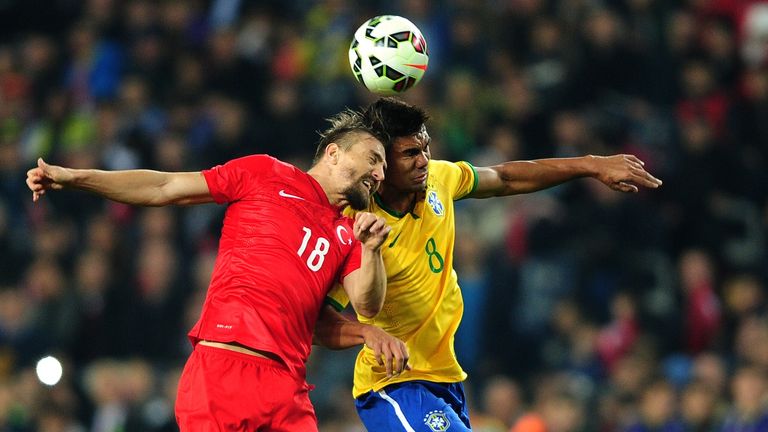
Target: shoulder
[255,161]
[446,172]
[235,174]
[443,168]
[460,178]
[440,172]
[261,165]
[437,166]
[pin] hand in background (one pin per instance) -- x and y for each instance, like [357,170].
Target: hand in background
[45,177]
[623,173]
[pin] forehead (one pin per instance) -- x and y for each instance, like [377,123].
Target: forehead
[366,142]
[420,139]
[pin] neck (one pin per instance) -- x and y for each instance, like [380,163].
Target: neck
[324,179]
[399,201]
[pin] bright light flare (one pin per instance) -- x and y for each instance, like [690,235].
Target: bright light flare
[49,370]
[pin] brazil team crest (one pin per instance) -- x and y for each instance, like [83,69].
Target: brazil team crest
[437,421]
[435,204]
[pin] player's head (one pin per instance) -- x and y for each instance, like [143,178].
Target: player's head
[354,153]
[408,150]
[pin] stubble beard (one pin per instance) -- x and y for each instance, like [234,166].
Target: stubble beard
[418,188]
[357,198]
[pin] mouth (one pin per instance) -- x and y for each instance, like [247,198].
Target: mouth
[369,185]
[421,177]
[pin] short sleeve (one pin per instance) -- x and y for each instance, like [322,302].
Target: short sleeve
[230,182]
[337,298]
[459,177]
[352,262]
[467,180]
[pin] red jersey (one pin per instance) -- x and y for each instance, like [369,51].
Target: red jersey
[283,246]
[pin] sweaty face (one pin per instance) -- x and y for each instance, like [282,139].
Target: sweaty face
[407,162]
[362,168]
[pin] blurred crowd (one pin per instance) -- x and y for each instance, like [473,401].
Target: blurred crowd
[585,309]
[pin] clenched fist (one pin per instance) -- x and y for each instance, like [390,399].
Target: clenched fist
[371,230]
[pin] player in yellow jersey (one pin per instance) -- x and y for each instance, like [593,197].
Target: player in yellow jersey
[423,304]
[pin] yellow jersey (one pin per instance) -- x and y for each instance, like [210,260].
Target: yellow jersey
[423,305]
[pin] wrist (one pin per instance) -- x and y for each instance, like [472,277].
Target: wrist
[376,250]
[72,177]
[589,166]
[364,331]
[75,177]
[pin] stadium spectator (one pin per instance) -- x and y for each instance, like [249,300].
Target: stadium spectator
[527,75]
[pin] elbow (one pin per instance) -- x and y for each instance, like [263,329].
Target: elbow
[161,198]
[156,203]
[164,198]
[368,313]
[152,198]
[368,298]
[368,310]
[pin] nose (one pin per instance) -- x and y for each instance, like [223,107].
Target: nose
[422,160]
[378,173]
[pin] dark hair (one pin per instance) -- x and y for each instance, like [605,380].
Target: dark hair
[345,126]
[395,118]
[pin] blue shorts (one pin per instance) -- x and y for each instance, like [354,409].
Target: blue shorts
[415,406]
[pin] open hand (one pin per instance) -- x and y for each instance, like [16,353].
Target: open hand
[371,230]
[44,177]
[389,351]
[623,173]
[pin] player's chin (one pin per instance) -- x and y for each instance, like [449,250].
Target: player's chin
[419,186]
[359,206]
[358,199]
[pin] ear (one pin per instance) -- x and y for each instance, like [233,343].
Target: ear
[332,152]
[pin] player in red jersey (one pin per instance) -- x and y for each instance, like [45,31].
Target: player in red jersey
[283,245]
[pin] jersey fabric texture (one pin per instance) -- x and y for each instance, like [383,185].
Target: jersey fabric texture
[415,406]
[423,306]
[226,390]
[282,247]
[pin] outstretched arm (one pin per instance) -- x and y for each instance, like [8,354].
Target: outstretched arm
[135,187]
[336,332]
[622,172]
[367,286]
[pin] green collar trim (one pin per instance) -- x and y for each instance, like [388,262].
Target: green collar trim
[389,211]
[334,304]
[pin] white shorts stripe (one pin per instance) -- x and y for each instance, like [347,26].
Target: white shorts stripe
[398,411]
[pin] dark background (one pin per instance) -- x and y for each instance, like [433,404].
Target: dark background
[585,309]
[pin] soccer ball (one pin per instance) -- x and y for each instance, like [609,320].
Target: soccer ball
[388,55]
